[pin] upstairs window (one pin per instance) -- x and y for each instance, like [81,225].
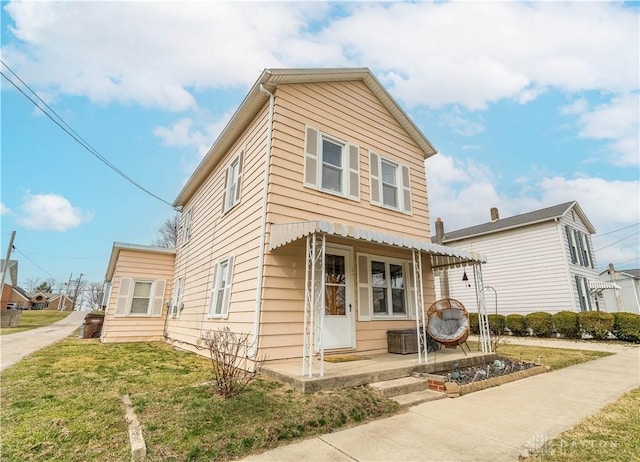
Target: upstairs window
[390,184]
[232,183]
[331,165]
[579,247]
[186,226]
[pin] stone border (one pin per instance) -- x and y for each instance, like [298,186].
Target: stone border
[454,390]
[138,446]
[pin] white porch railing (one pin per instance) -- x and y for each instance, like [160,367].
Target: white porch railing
[313,304]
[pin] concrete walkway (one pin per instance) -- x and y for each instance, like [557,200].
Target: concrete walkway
[497,424]
[14,347]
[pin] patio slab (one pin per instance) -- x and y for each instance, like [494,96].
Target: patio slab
[372,368]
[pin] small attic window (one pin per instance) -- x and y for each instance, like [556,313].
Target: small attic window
[573,215]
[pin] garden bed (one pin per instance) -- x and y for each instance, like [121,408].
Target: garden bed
[462,381]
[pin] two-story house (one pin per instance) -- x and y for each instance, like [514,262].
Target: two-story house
[537,261]
[305,226]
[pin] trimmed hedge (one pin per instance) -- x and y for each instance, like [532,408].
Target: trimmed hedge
[516,323]
[496,324]
[566,323]
[539,322]
[596,323]
[626,326]
[474,323]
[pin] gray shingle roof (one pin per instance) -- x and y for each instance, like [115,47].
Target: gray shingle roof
[516,221]
[633,272]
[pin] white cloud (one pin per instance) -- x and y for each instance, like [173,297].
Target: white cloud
[461,192]
[470,54]
[188,132]
[617,122]
[4,210]
[50,212]
[462,125]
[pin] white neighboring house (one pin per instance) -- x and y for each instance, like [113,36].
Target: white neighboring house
[537,261]
[628,297]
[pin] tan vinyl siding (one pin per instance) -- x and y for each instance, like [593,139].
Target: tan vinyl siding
[282,314]
[143,266]
[215,236]
[350,112]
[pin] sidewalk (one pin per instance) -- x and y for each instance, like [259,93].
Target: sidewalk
[14,347]
[497,424]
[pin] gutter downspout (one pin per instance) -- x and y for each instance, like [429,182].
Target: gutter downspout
[263,228]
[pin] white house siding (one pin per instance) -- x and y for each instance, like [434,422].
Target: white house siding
[573,220]
[629,293]
[525,266]
[215,236]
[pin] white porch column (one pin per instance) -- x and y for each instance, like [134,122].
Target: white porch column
[483,319]
[313,304]
[421,324]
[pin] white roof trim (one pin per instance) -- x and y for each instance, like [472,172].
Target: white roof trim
[118,246]
[441,256]
[602,285]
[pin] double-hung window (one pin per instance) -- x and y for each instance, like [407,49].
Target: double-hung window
[232,185]
[579,248]
[221,290]
[388,288]
[177,298]
[186,226]
[390,184]
[139,297]
[331,165]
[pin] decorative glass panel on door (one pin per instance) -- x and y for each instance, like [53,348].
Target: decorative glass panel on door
[335,285]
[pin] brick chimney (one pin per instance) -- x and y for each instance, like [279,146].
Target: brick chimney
[494,214]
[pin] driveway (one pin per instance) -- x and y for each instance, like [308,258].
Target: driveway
[14,347]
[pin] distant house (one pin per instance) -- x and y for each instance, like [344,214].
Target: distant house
[628,297]
[306,225]
[60,302]
[537,261]
[138,282]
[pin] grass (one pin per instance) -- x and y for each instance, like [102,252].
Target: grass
[556,358]
[612,434]
[64,403]
[32,319]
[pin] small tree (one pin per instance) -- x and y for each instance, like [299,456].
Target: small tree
[232,367]
[168,232]
[45,286]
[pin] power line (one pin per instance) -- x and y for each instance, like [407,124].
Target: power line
[616,230]
[620,240]
[72,133]
[36,265]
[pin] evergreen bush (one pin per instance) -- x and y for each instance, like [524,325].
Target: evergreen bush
[496,324]
[566,323]
[596,323]
[540,323]
[516,323]
[474,324]
[626,326]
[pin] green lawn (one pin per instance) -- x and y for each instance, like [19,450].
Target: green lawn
[612,434]
[32,319]
[65,403]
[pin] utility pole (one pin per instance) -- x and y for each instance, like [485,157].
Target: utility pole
[6,265]
[75,295]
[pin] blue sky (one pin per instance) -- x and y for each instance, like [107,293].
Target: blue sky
[529,104]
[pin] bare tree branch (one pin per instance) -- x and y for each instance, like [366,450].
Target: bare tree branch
[168,232]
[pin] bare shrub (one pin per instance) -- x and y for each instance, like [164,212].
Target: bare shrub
[232,368]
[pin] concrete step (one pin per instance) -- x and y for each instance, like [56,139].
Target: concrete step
[401,386]
[418,397]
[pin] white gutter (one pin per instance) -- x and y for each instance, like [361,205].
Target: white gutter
[263,229]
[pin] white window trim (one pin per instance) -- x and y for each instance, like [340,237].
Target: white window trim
[186,226]
[349,173]
[401,207]
[176,299]
[407,308]
[226,298]
[232,200]
[152,291]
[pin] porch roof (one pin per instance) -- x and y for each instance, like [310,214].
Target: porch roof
[602,285]
[441,256]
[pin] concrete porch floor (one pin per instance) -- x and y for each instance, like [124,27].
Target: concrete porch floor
[373,368]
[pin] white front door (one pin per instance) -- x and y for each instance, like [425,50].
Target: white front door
[339,327]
